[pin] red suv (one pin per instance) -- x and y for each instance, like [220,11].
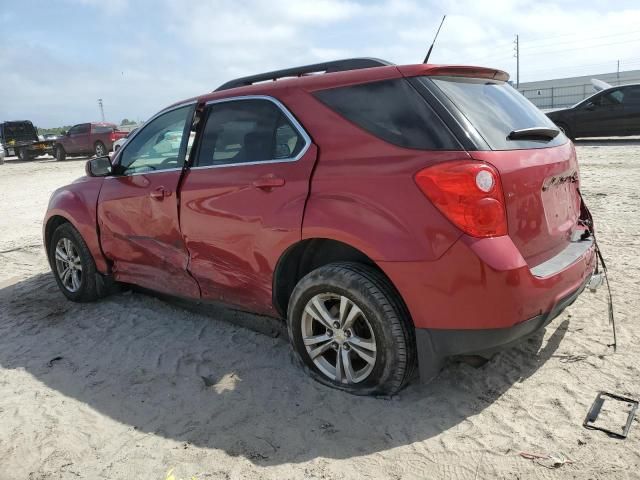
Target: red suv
[87,139]
[393,215]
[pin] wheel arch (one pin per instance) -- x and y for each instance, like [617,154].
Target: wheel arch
[307,255]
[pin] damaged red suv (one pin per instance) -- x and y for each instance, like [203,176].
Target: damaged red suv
[393,215]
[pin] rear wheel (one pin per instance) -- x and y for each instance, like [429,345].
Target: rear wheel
[351,330]
[100,149]
[24,155]
[59,153]
[73,265]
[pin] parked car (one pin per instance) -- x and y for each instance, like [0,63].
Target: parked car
[20,138]
[612,112]
[388,213]
[2,155]
[87,139]
[121,141]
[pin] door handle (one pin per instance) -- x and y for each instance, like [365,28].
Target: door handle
[268,181]
[159,193]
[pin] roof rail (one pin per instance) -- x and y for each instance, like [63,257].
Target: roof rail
[326,67]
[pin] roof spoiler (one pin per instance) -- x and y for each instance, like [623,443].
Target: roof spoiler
[454,71]
[326,67]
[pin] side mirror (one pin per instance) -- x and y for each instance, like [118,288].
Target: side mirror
[98,167]
[590,106]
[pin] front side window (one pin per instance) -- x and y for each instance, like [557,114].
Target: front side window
[157,146]
[246,131]
[614,97]
[78,129]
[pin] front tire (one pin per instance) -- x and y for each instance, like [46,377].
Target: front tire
[73,265]
[351,330]
[566,130]
[60,154]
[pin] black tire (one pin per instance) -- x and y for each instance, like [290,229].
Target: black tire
[116,148]
[100,150]
[60,154]
[566,130]
[88,288]
[24,155]
[382,308]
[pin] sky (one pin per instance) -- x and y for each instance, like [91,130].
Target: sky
[57,57]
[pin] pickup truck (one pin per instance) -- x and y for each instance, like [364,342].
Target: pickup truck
[20,138]
[87,139]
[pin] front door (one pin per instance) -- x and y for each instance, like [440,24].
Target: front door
[600,117]
[78,140]
[138,207]
[243,199]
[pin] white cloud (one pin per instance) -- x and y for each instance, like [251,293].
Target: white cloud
[173,49]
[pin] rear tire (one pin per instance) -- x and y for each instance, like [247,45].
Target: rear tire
[60,154]
[72,265]
[100,150]
[367,351]
[24,155]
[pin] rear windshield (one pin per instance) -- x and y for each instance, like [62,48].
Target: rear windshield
[103,128]
[495,109]
[393,111]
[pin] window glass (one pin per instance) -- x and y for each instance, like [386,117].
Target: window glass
[103,128]
[75,130]
[614,97]
[495,109]
[245,131]
[393,111]
[157,145]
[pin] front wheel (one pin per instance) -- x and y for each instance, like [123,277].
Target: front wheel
[60,154]
[351,330]
[564,128]
[73,265]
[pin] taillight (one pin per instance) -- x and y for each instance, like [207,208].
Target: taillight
[113,136]
[469,194]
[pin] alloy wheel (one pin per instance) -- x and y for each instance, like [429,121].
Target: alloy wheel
[338,338]
[68,264]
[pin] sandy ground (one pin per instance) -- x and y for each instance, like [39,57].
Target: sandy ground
[114,390]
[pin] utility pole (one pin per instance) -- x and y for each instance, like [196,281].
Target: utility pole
[517,55]
[101,108]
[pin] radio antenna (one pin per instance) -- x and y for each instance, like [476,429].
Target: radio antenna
[426,59]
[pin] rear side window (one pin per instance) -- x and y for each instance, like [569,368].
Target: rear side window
[393,111]
[495,109]
[247,131]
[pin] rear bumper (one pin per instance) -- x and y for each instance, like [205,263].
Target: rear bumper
[481,295]
[434,345]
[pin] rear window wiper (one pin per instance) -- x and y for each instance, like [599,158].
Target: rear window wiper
[534,133]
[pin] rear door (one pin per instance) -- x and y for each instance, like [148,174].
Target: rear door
[243,199]
[138,207]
